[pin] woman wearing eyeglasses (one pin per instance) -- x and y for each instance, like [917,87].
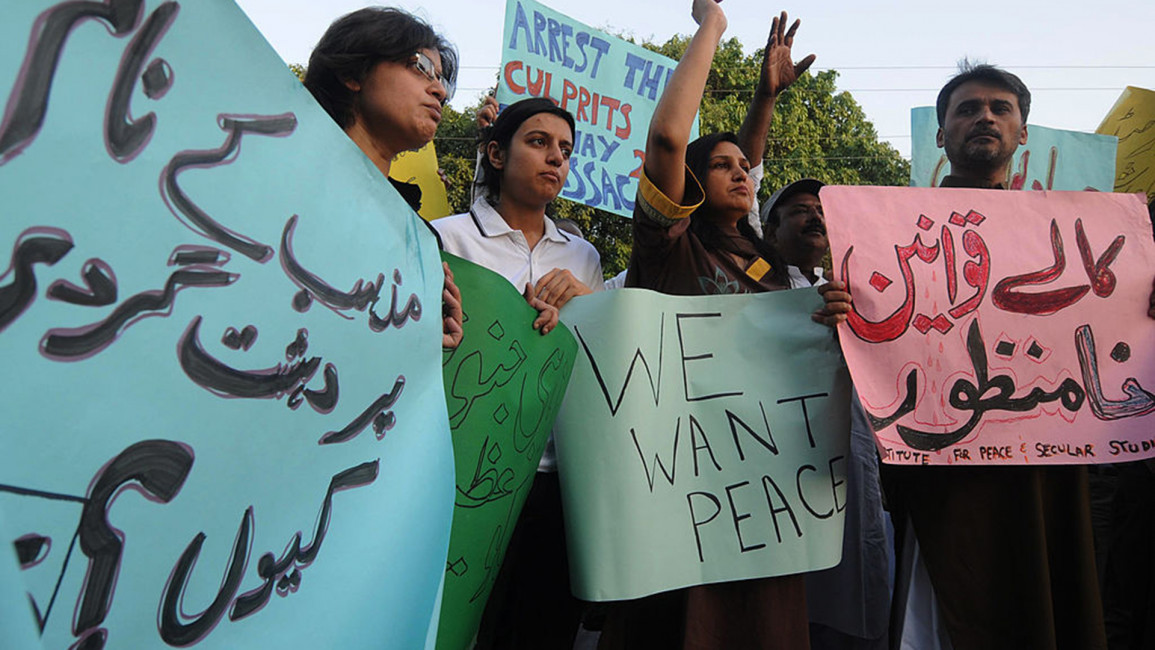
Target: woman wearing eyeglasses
[383,76]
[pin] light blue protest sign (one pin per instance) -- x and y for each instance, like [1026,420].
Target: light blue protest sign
[1052,159]
[702,439]
[224,416]
[609,85]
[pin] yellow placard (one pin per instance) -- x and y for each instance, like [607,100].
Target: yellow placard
[420,167]
[1132,120]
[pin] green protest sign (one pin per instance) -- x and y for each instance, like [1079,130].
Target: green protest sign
[503,386]
[703,439]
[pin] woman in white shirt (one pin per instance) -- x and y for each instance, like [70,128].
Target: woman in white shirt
[525,163]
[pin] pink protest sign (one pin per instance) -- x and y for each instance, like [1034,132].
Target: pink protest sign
[995,327]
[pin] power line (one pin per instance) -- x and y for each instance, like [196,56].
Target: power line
[810,158]
[1008,67]
[924,67]
[746,91]
[827,138]
[894,90]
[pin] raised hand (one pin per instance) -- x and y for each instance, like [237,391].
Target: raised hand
[487,113]
[778,69]
[705,9]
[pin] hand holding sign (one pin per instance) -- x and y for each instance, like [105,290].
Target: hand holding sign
[451,314]
[546,313]
[836,304]
[487,114]
[558,286]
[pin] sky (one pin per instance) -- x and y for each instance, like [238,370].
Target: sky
[1077,57]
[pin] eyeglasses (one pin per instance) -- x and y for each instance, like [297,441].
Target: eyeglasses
[425,66]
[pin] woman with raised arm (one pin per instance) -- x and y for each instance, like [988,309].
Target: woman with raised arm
[692,237]
[383,75]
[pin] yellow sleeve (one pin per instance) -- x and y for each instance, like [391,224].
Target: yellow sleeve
[659,208]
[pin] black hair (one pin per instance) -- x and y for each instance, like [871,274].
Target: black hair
[698,161]
[987,74]
[356,42]
[502,130]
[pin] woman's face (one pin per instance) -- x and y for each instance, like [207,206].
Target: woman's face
[397,106]
[536,163]
[727,184]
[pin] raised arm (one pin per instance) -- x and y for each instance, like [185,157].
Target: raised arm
[674,115]
[778,72]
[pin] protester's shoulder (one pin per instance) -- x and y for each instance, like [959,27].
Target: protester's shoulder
[454,226]
[579,246]
[584,258]
[587,264]
[457,232]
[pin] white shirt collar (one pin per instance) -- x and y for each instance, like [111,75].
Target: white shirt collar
[798,280]
[491,224]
